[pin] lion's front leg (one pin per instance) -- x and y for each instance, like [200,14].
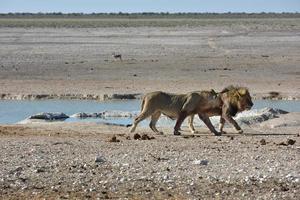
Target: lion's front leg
[230,120]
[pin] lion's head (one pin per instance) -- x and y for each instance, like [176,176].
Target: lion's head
[239,99]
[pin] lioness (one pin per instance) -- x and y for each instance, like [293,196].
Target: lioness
[204,103]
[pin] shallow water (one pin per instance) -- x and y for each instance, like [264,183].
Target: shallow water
[13,111]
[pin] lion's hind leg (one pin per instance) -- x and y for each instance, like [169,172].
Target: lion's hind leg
[208,123]
[191,124]
[154,119]
[221,125]
[143,115]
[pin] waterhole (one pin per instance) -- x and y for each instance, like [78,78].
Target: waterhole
[14,111]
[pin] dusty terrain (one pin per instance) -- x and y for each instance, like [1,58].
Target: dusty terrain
[64,161]
[83,160]
[262,54]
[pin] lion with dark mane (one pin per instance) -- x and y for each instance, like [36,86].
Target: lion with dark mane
[205,104]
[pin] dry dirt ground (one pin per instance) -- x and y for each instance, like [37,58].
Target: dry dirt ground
[262,54]
[63,160]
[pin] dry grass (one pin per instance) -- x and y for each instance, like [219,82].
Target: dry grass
[93,22]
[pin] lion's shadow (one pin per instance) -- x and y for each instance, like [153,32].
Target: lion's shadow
[228,134]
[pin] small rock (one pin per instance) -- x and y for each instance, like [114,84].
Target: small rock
[263,142]
[137,136]
[16,170]
[282,143]
[200,162]
[274,94]
[40,170]
[284,188]
[188,136]
[291,142]
[114,139]
[49,116]
[145,137]
[128,138]
[38,187]
[231,137]
[99,159]
[64,197]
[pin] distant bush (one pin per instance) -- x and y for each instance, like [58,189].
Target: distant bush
[156,15]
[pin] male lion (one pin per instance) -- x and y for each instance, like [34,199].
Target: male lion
[204,103]
[230,101]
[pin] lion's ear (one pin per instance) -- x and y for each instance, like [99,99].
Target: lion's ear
[242,91]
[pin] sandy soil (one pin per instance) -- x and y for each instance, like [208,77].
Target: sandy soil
[80,161]
[178,59]
[58,160]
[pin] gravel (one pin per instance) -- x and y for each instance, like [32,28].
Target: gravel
[69,165]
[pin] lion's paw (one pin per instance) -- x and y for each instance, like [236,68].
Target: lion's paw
[240,131]
[177,133]
[218,133]
[195,132]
